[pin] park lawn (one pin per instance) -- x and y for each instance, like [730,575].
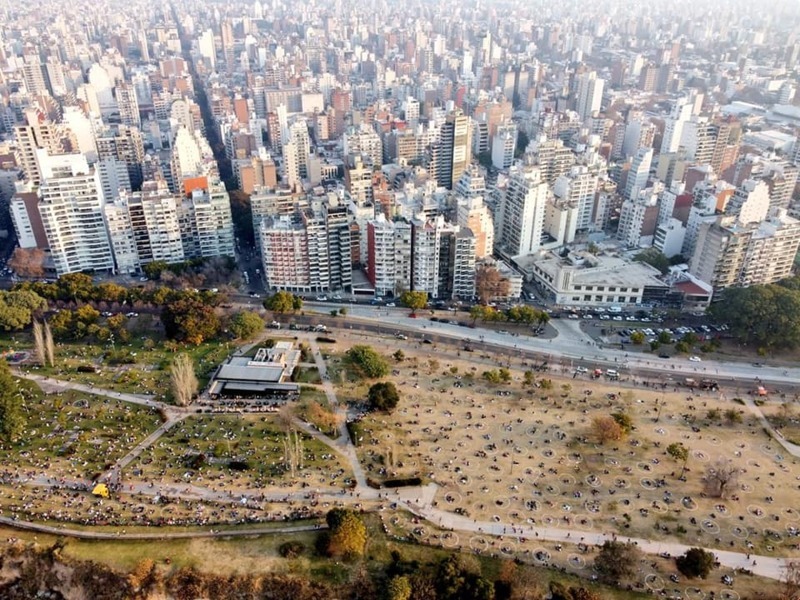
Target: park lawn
[76,434]
[256,439]
[308,375]
[148,374]
[320,416]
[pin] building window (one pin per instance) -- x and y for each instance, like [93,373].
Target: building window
[612,289]
[587,298]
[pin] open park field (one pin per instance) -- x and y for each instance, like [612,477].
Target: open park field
[518,447]
[521,453]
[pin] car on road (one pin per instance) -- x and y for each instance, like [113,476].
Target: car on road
[322,298]
[695,359]
[390,304]
[275,325]
[401,336]
[581,370]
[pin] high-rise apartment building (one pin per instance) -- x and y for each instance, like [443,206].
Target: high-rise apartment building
[205,220]
[504,145]
[578,187]
[639,173]
[388,256]
[731,253]
[284,253]
[71,208]
[523,211]
[144,227]
[473,214]
[453,152]
[589,94]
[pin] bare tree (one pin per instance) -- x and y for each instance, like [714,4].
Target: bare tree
[293,452]
[791,581]
[183,380]
[38,344]
[720,477]
[49,346]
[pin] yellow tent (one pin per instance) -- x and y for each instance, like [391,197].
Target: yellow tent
[100,490]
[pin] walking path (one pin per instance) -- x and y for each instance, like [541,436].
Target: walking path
[164,535]
[54,384]
[790,447]
[418,500]
[114,473]
[343,443]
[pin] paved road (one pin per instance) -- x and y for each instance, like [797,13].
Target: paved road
[572,346]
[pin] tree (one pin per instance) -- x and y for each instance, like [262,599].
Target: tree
[347,534]
[383,396]
[638,338]
[696,562]
[791,581]
[679,452]
[18,307]
[606,429]
[664,337]
[12,417]
[283,302]
[27,262]
[245,324]
[617,561]
[183,380]
[414,300]
[38,344]
[458,577]
[399,356]
[490,284]
[624,421]
[682,347]
[721,477]
[654,258]
[49,345]
[399,588]
[732,416]
[188,319]
[367,362]
[560,592]
[767,316]
[153,270]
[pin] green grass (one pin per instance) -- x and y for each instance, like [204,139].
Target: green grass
[308,375]
[76,433]
[258,440]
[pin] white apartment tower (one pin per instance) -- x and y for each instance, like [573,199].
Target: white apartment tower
[504,144]
[639,173]
[589,95]
[523,212]
[206,222]
[71,207]
[144,227]
[578,187]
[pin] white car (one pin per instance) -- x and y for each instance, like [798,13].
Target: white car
[390,305]
[695,359]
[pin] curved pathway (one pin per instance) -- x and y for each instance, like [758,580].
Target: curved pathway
[166,535]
